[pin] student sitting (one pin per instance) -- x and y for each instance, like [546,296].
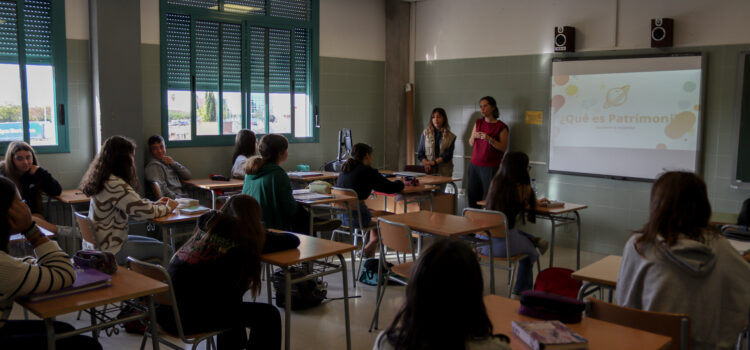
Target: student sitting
[21,166]
[211,273]
[244,148]
[447,270]
[510,193]
[51,270]
[247,210]
[269,184]
[357,173]
[164,170]
[110,182]
[677,264]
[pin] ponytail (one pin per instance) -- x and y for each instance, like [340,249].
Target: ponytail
[359,152]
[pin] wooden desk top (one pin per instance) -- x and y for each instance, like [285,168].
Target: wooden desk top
[208,184]
[310,248]
[603,272]
[126,284]
[442,224]
[174,218]
[600,334]
[567,208]
[72,197]
[427,179]
[336,198]
[720,219]
[326,175]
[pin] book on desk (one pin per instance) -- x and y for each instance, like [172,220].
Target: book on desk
[86,279]
[304,173]
[548,335]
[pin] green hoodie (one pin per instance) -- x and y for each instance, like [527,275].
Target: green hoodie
[272,189]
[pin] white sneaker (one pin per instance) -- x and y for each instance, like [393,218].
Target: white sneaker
[543,245]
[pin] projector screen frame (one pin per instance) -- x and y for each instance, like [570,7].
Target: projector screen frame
[701,122]
[742,76]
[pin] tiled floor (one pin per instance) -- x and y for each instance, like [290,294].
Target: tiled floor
[322,327]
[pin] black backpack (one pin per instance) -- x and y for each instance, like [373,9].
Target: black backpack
[305,294]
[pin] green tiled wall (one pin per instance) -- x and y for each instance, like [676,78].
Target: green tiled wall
[521,83]
[351,96]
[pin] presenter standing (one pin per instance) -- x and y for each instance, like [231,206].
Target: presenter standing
[489,141]
[436,145]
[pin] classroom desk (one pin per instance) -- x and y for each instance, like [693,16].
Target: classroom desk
[600,334]
[601,274]
[447,225]
[311,249]
[418,192]
[167,224]
[72,198]
[126,285]
[558,217]
[213,186]
[16,238]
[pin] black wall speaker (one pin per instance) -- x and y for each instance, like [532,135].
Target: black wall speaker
[662,32]
[565,39]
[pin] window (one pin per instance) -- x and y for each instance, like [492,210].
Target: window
[33,86]
[233,64]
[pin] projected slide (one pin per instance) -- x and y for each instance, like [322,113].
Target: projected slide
[625,117]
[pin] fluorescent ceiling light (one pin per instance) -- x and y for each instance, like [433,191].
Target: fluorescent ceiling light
[238,8]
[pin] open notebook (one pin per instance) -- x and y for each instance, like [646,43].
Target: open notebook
[86,279]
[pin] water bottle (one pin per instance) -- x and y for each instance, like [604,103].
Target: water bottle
[534,188]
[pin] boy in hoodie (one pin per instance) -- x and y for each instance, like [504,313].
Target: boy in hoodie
[164,170]
[677,264]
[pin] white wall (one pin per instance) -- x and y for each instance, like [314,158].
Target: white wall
[450,29]
[353,29]
[77,19]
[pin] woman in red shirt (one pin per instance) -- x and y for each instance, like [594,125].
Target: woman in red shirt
[490,141]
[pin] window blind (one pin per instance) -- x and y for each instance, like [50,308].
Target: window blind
[8,32]
[231,57]
[178,51]
[206,56]
[37,31]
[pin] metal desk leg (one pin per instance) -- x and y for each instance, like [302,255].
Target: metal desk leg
[164,250]
[346,303]
[492,264]
[268,282]
[213,199]
[48,324]
[154,327]
[578,245]
[312,231]
[288,308]
[552,241]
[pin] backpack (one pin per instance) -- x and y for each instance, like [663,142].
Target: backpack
[557,280]
[305,294]
[369,274]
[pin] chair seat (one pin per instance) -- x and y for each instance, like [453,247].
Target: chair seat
[502,258]
[403,270]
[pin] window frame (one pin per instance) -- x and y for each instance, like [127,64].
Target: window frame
[58,48]
[245,21]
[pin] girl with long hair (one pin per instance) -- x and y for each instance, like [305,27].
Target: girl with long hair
[510,193]
[212,272]
[427,320]
[269,184]
[111,183]
[436,145]
[489,140]
[247,210]
[22,166]
[677,263]
[244,148]
[51,270]
[358,174]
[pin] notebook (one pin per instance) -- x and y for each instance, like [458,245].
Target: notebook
[552,204]
[409,173]
[311,196]
[86,279]
[548,335]
[194,210]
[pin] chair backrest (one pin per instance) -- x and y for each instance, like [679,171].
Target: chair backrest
[488,215]
[156,190]
[672,325]
[395,236]
[350,204]
[87,229]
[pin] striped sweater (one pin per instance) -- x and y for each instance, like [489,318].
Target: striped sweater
[110,209]
[51,270]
